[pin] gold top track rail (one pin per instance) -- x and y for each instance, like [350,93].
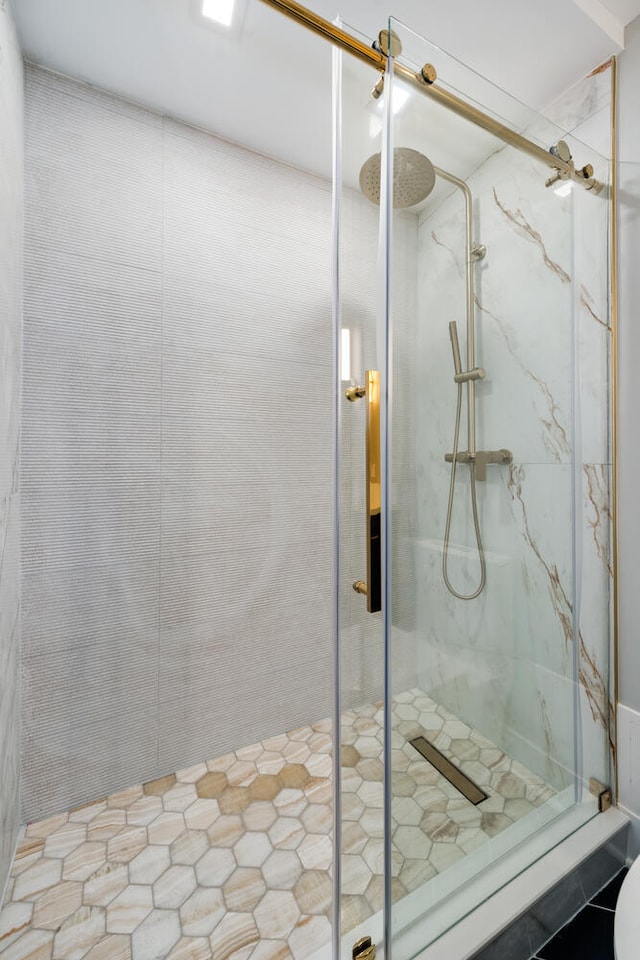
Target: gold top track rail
[345,41]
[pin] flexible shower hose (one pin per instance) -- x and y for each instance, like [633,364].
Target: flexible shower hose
[474,508]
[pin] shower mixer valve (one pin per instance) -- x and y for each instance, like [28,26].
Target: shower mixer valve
[481,459]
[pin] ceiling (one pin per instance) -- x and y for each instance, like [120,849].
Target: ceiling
[269,87]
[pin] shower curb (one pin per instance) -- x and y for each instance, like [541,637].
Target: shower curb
[517,920]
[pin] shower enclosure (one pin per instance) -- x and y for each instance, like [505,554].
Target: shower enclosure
[315,615]
[474,708]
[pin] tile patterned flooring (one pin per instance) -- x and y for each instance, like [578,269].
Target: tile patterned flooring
[231,859]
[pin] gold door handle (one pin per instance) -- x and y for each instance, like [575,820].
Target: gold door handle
[372,589]
[374,493]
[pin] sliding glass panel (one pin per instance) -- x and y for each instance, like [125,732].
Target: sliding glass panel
[361,641]
[498,350]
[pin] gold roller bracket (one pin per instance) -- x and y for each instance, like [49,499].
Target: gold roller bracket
[370,392]
[363,949]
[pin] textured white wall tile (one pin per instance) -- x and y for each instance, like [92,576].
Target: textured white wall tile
[178,449]
[95,167]
[89,604]
[11,215]
[63,527]
[75,756]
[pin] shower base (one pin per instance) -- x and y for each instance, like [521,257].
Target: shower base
[231,859]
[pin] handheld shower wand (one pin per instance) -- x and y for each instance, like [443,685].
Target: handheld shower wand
[455,346]
[460,378]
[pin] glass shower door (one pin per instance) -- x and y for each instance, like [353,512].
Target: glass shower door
[473,706]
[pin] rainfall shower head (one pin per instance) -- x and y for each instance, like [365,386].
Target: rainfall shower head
[413,177]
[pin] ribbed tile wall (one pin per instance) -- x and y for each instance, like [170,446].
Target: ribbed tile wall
[177,452]
[11,211]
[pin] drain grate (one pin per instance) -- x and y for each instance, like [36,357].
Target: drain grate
[470,790]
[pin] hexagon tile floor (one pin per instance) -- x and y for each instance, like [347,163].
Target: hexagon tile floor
[230,859]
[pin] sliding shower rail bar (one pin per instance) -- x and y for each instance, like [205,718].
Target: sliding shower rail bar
[345,41]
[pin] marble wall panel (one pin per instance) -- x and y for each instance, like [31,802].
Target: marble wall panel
[543,335]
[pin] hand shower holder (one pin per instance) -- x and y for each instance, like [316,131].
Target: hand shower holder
[478,373]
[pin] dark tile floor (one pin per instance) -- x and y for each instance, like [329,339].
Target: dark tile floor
[589,936]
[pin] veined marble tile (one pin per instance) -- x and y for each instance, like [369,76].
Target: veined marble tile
[88,811]
[158,933]
[78,933]
[244,890]
[15,918]
[112,947]
[166,828]
[276,915]
[149,864]
[28,852]
[57,904]
[281,870]
[202,912]
[32,945]
[225,831]
[65,839]
[127,844]
[38,878]
[125,798]
[272,950]
[129,909]
[587,97]
[174,887]
[235,932]
[316,852]
[263,878]
[106,824]
[103,886]
[141,812]
[308,933]
[84,860]
[191,948]
[314,892]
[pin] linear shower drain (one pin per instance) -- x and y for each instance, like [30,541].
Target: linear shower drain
[470,790]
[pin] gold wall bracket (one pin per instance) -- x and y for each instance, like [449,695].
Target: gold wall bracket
[388,43]
[602,793]
[363,949]
[429,73]
[355,393]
